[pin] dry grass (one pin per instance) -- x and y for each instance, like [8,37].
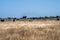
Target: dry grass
[36,30]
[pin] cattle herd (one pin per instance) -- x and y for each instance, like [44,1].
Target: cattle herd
[31,18]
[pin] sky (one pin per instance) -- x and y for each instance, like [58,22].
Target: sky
[30,8]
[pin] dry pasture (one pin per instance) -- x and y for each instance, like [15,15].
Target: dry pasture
[25,30]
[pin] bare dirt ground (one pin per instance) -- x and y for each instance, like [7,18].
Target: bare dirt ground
[25,30]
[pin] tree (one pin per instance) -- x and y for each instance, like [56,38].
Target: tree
[57,16]
[24,17]
[46,17]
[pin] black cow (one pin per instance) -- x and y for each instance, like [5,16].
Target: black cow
[2,20]
[57,19]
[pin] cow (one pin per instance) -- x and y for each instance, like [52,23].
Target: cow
[2,20]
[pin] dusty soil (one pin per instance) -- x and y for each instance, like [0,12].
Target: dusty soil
[25,30]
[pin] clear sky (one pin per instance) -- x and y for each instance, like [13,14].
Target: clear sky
[19,8]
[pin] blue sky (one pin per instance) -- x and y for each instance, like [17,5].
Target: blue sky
[19,8]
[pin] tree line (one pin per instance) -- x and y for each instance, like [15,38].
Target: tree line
[33,18]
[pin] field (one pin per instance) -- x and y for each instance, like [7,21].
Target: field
[34,30]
